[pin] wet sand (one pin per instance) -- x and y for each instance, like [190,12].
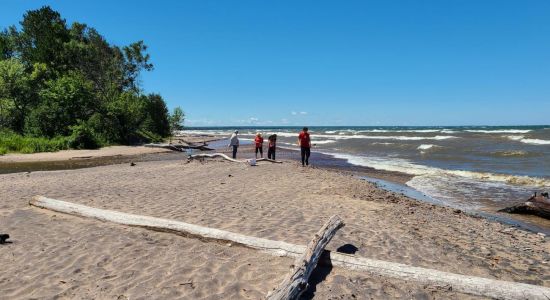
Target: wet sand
[54,255]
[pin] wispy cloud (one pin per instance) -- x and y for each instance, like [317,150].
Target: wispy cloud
[293,113]
[303,112]
[200,122]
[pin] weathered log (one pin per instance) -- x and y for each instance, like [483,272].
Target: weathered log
[460,283]
[269,160]
[296,283]
[538,205]
[214,155]
[177,147]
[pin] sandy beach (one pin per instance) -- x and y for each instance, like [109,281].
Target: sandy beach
[59,256]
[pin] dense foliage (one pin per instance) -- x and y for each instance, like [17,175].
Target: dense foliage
[68,83]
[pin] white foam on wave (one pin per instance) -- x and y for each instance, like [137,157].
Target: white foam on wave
[407,167]
[514,137]
[535,141]
[344,136]
[322,142]
[385,137]
[425,146]
[501,131]
[522,139]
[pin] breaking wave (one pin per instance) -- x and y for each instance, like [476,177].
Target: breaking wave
[407,167]
[522,139]
[500,131]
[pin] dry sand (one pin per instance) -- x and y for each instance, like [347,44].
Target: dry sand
[59,256]
[79,154]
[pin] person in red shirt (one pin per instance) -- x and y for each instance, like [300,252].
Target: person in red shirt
[305,146]
[259,141]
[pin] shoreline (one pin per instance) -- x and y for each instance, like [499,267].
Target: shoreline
[388,180]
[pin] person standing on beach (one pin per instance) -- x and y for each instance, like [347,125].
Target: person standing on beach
[234,142]
[271,146]
[304,142]
[259,141]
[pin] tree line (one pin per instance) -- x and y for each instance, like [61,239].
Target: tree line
[59,80]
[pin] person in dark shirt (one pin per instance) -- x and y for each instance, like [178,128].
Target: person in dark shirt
[272,143]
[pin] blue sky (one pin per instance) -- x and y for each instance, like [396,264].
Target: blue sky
[334,62]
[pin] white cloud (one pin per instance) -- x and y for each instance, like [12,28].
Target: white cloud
[200,122]
[303,112]
[293,113]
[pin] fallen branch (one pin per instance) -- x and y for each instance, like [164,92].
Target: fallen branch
[296,283]
[177,147]
[214,155]
[269,160]
[459,283]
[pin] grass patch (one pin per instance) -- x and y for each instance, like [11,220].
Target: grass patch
[12,142]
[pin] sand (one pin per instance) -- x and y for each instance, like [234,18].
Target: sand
[79,154]
[59,256]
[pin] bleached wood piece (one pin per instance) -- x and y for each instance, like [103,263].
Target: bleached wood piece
[296,282]
[214,155]
[269,160]
[459,283]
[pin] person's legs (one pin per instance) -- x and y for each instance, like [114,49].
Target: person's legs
[308,152]
[273,153]
[234,151]
[269,151]
[303,153]
[262,152]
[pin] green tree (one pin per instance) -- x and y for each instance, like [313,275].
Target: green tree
[176,121]
[64,102]
[8,42]
[43,34]
[157,116]
[125,116]
[59,80]
[18,91]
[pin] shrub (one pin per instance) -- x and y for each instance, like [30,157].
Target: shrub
[83,137]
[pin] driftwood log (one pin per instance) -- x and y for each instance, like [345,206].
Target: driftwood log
[178,147]
[460,283]
[296,283]
[214,155]
[538,205]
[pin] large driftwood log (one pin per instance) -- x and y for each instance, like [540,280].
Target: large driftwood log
[269,160]
[214,155]
[459,283]
[177,147]
[538,205]
[296,283]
